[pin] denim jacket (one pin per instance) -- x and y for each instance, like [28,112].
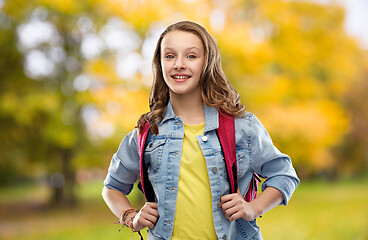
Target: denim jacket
[255,153]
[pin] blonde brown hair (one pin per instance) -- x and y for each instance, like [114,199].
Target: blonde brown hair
[216,89]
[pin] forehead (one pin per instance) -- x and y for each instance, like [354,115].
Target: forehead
[181,40]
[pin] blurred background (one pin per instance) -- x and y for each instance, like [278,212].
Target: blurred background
[75,77]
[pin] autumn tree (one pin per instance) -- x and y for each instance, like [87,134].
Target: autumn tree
[75,77]
[42,93]
[293,63]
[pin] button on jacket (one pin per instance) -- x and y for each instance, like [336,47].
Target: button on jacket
[255,153]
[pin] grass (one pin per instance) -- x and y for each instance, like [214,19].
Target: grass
[318,210]
[24,215]
[321,210]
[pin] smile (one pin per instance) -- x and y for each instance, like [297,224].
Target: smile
[180,76]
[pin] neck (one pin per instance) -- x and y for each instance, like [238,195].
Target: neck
[189,108]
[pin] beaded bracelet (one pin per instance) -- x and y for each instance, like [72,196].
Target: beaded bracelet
[128,223]
[123,218]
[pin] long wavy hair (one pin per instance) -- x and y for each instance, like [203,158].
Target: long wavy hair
[216,89]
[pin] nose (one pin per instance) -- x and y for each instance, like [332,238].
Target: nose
[179,63]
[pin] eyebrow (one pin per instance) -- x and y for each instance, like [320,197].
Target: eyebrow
[189,48]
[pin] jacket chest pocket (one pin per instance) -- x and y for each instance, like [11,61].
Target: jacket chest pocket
[153,153]
[242,163]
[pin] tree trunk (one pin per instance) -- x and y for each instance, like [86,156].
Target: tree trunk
[63,183]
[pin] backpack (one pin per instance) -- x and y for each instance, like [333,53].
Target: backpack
[226,135]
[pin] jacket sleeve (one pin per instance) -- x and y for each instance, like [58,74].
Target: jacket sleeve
[267,161]
[124,166]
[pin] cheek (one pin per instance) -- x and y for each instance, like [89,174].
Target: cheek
[199,69]
[165,68]
[165,72]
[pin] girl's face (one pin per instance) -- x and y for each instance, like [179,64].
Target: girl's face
[182,59]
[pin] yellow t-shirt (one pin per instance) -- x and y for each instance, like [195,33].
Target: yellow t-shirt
[193,216]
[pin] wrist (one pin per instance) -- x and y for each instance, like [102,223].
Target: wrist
[257,210]
[130,222]
[127,216]
[130,216]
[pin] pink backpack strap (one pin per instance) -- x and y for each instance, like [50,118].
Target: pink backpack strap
[253,188]
[226,134]
[146,185]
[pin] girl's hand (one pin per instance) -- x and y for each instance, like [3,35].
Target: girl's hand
[146,217]
[234,206]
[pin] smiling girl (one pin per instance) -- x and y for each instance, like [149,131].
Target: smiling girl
[183,153]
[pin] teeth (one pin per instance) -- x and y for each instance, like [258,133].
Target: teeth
[180,77]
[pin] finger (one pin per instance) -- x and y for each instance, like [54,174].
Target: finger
[149,205]
[150,211]
[152,205]
[223,200]
[226,198]
[230,211]
[149,217]
[145,222]
[154,211]
[227,205]
[235,200]
[146,219]
[234,216]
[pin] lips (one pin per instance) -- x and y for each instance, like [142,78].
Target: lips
[181,77]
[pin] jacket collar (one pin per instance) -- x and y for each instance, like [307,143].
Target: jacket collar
[211,116]
[210,113]
[168,113]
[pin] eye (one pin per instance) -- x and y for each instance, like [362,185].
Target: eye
[169,56]
[191,56]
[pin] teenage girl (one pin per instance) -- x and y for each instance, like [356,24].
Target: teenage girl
[183,153]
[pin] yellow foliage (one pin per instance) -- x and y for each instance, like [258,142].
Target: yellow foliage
[291,61]
[64,6]
[307,130]
[118,104]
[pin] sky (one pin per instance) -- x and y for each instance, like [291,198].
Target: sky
[356,21]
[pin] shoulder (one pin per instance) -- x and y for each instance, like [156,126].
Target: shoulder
[247,120]
[129,143]
[250,125]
